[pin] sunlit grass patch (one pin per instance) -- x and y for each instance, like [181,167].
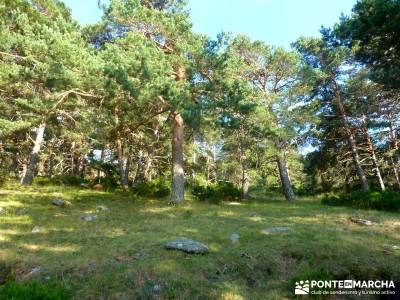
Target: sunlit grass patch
[121,253]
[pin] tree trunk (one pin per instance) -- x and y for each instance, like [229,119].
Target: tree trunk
[285,180]
[178,177]
[121,163]
[395,149]
[371,150]
[120,148]
[245,181]
[140,169]
[31,168]
[127,170]
[357,163]
[350,138]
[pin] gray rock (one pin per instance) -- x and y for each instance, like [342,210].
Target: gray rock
[36,229]
[58,202]
[102,208]
[22,211]
[34,272]
[89,217]
[235,237]
[276,230]
[391,247]
[157,288]
[188,246]
[361,221]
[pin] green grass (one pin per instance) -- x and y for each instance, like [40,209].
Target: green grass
[121,256]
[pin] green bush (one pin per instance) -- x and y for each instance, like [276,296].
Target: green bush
[387,200]
[31,291]
[69,180]
[3,178]
[155,188]
[221,191]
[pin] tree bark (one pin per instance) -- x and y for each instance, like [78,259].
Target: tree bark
[120,149]
[350,138]
[371,150]
[285,180]
[178,177]
[395,149]
[31,168]
[121,163]
[245,181]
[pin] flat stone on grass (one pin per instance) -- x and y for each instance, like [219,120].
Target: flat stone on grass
[36,229]
[361,221]
[188,246]
[89,217]
[58,202]
[235,237]
[275,230]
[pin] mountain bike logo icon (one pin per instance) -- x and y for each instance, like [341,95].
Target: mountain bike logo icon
[302,288]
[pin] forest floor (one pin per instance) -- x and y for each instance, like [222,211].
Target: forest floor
[121,254]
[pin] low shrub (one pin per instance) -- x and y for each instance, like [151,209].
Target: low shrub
[221,191]
[155,188]
[3,177]
[387,200]
[69,180]
[31,291]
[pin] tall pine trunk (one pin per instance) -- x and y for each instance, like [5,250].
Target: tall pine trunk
[350,138]
[285,180]
[395,149]
[245,181]
[120,148]
[121,163]
[371,150]
[30,172]
[178,177]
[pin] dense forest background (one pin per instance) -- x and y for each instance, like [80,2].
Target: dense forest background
[139,101]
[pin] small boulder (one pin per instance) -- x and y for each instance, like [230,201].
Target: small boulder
[58,202]
[33,273]
[188,246]
[102,208]
[89,217]
[235,237]
[36,229]
[361,222]
[22,211]
[157,288]
[275,230]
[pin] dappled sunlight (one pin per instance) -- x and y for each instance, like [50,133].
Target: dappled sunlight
[231,292]
[227,213]
[156,210]
[235,204]
[256,219]
[55,249]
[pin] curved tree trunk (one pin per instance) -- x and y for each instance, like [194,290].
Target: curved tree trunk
[350,138]
[121,163]
[395,149]
[28,176]
[357,162]
[178,177]
[371,150]
[285,180]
